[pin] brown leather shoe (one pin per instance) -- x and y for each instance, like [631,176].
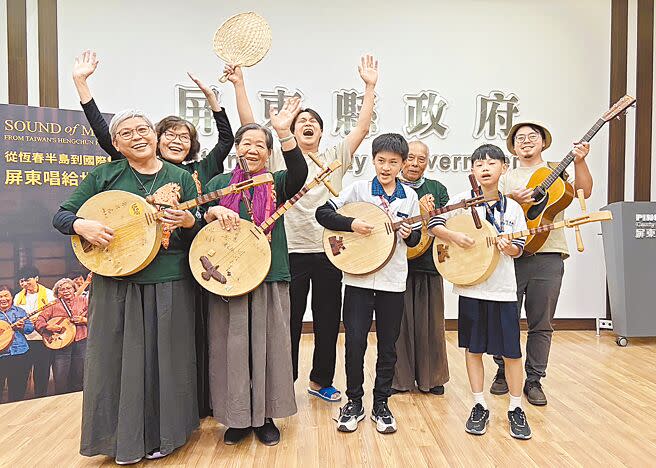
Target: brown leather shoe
[534,393]
[499,385]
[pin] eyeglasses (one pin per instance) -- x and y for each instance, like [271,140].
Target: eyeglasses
[127,134]
[532,137]
[170,136]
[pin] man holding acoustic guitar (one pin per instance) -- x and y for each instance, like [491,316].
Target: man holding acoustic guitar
[539,276]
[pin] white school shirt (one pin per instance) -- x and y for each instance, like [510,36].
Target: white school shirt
[304,233]
[392,277]
[30,306]
[501,285]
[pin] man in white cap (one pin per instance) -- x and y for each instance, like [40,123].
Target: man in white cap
[539,276]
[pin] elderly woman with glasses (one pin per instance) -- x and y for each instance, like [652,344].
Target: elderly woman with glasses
[67,362]
[140,379]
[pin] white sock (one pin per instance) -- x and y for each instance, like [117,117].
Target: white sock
[515,402]
[479,398]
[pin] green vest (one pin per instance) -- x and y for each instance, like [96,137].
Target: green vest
[425,264]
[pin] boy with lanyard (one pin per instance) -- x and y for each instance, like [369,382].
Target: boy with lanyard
[421,347]
[487,312]
[382,290]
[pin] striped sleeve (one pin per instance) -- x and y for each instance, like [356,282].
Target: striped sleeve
[519,223]
[440,220]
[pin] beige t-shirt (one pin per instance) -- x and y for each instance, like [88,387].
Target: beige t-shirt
[517,179]
[304,233]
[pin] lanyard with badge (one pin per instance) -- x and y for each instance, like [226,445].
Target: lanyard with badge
[502,212]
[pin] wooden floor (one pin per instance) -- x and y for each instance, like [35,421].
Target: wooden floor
[601,411]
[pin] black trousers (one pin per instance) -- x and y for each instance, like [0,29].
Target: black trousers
[539,278]
[15,370]
[359,306]
[326,282]
[40,362]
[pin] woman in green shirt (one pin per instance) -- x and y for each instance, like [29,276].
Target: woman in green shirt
[140,377]
[250,351]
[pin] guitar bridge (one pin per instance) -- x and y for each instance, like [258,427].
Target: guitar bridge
[211,271]
[336,244]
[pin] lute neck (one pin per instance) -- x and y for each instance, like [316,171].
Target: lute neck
[526,232]
[425,217]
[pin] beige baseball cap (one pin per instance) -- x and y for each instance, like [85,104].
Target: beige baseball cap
[511,134]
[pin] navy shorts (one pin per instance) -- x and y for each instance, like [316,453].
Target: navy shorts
[490,327]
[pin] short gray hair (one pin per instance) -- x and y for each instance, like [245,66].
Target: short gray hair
[60,283]
[124,115]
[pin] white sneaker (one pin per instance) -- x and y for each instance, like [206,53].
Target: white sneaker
[384,419]
[349,416]
[155,455]
[128,462]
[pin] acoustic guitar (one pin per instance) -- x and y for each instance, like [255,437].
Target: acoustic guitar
[137,230]
[66,336]
[473,265]
[551,193]
[7,329]
[359,254]
[233,263]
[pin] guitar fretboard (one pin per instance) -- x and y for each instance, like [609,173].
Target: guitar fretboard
[570,156]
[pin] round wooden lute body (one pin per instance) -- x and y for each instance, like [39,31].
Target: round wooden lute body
[466,267]
[425,241]
[137,234]
[354,253]
[6,335]
[241,257]
[59,340]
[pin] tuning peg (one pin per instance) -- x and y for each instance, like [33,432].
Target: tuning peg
[577,230]
[581,198]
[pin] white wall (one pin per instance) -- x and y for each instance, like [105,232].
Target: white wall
[553,55]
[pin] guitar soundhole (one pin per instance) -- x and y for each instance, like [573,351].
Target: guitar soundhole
[536,210]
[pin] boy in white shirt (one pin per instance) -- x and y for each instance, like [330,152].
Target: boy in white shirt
[383,290]
[487,312]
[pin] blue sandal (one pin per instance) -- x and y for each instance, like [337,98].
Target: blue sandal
[326,393]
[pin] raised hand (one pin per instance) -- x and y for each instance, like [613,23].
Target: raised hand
[85,64]
[234,74]
[368,70]
[212,99]
[282,119]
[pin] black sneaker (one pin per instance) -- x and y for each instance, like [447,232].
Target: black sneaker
[534,393]
[268,433]
[383,417]
[437,390]
[234,435]
[519,427]
[499,385]
[478,419]
[349,416]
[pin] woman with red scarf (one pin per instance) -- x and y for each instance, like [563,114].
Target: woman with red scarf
[250,352]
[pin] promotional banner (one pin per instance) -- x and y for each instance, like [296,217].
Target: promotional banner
[46,153]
